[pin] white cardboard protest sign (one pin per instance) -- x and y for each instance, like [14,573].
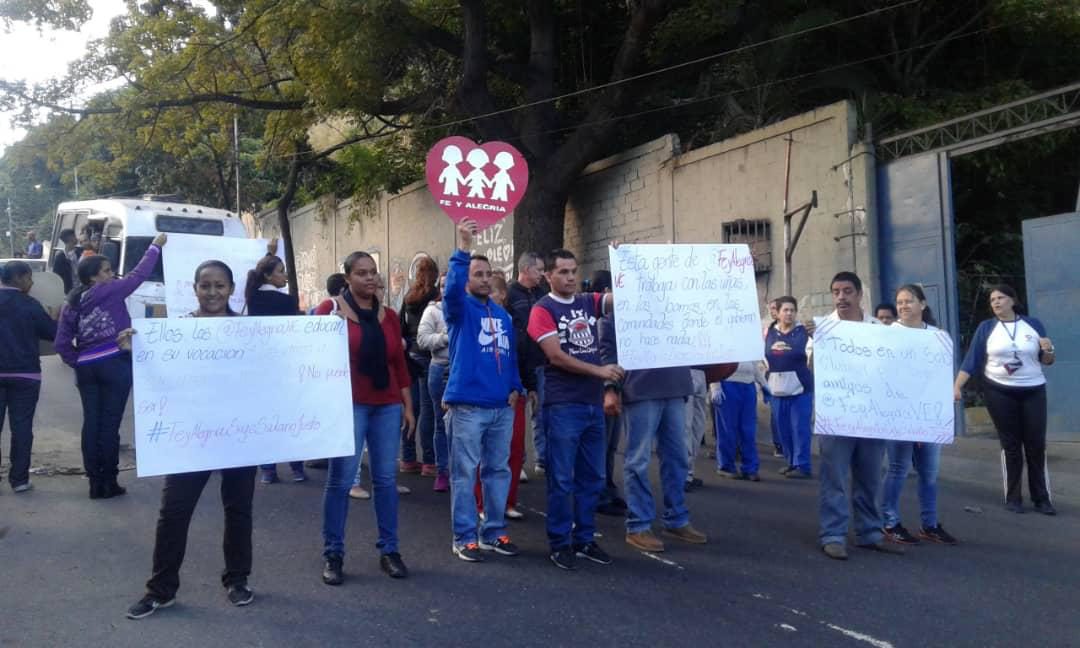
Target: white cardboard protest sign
[685,304]
[183,253]
[883,382]
[223,392]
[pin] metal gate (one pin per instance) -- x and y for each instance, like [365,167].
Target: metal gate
[916,234]
[1050,247]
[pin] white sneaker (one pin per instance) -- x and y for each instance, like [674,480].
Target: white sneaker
[524,478]
[358,492]
[513,514]
[23,487]
[402,489]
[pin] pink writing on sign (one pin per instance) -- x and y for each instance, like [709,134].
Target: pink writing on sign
[479,181]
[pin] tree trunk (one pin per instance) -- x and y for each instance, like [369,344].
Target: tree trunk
[283,206]
[539,219]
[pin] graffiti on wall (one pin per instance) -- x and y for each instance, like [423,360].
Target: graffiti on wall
[310,284]
[497,244]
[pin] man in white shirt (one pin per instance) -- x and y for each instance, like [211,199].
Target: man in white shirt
[844,458]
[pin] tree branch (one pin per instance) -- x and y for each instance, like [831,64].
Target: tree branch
[473,93]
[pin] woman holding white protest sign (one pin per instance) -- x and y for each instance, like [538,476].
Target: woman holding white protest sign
[792,386]
[382,405]
[213,287]
[263,297]
[913,313]
[86,340]
[1008,352]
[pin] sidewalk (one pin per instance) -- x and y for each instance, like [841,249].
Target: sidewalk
[976,459]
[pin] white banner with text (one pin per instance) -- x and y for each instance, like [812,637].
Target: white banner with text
[183,253]
[224,392]
[685,304]
[883,382]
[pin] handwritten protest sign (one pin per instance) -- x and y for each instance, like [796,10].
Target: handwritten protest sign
[221,392]
[687,304]
[184,252]
[883,382]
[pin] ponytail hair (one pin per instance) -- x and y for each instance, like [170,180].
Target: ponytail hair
[917,291]
[88,268]
[224,267]
[257,276]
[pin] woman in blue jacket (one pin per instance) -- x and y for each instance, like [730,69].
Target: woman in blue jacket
[22,323]
[792,387]
[1008,353]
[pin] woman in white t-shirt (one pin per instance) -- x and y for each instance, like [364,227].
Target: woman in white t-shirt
[1008,352]
[913,313]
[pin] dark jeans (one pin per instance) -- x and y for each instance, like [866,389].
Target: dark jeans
[104,386]
[613,429]
[178,500]
[425,423]
[18,398]
[1019,414]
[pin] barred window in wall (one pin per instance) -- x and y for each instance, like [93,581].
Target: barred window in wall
[757,234]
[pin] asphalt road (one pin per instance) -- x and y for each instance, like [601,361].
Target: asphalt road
[71,567]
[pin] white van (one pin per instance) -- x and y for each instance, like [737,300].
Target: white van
[124,227]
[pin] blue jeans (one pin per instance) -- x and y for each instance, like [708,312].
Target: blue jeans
[538,419]
[766,398]
[926,457]
[859,460]
[104,386]
[425,422]
[736,427]
[575,471]
[437,374]
[792,415]
[661,422]
[613,431]
[378,426]
[481,438]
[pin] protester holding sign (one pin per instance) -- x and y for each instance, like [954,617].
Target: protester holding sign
[791,386]
[563,323]
[913,313]
[481,394]
[23,322]
[94,315]
[263,296]
[382,404]
[845,458]
[1008,352]
[213,286]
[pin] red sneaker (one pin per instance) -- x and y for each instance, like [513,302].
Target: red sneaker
[409,467]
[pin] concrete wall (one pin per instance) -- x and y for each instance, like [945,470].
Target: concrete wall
[651,193]
[654,193]
[397,230]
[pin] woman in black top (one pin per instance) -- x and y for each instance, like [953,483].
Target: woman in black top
[422,292]
[263,296]
[213,286]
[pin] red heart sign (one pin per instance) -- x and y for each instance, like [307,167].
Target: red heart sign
[479,181]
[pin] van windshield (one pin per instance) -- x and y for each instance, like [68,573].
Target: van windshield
[136,248]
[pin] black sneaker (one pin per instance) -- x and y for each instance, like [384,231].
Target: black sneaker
[332,573]
[392,564]
[240,595]
[937,534]
[501,546]
[900,535]
[593,552]
[469,552]
[564,558]
[1046,508]
[146,606]
[1015,507]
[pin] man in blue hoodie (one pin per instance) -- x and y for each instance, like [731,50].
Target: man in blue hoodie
[23,322]
[483,388]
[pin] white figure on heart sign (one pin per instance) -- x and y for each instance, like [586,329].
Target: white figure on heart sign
[451,176]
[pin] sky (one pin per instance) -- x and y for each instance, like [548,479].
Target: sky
[34,56]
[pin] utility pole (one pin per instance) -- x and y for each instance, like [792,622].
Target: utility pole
[11,228]
[236,159]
